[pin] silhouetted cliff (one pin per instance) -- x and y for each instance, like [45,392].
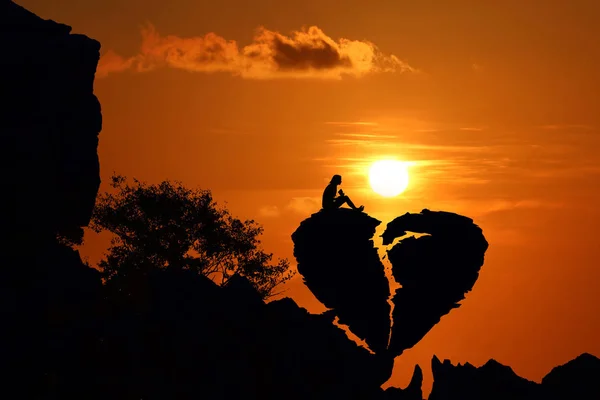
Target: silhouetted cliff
[341,266]
[435,270]
[49,124]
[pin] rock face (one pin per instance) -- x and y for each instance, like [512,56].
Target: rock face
[49,123]
[435,271]
[491,381]
[341,266]
[577,379]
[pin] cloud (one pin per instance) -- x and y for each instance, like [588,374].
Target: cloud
[308,53]
[472,129]
[495,206]
[269,212]
[304,205]
[111,62]
[352,124]
[556,127]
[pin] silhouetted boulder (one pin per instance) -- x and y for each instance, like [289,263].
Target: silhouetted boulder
[340,265]
[577,379]
[435,270]
[412,392]
[49,124]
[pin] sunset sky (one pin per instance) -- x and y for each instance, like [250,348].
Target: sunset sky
[496,104]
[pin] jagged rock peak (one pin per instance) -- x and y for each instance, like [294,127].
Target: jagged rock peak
[490,381]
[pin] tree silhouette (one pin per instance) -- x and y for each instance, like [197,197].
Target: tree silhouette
[170,226]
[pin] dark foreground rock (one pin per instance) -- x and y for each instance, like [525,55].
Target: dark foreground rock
[49,124]
[180,335]
[341,266]
[435,270]
[577,379]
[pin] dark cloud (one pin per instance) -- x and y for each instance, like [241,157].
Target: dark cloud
[308,53]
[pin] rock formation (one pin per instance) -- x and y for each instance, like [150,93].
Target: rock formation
[175,334]
[49,124]
[341,266]
[577,379]
[435,270]
[490,381]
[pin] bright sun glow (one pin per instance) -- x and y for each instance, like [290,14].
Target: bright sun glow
[388,178]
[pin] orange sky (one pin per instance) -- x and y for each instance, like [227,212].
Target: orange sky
[495,103]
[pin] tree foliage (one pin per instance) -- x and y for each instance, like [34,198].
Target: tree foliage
[167,225]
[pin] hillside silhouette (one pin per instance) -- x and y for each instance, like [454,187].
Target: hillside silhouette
[175,333]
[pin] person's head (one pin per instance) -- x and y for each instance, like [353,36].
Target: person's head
[336,180]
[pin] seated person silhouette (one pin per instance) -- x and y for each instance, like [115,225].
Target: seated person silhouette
[330,202]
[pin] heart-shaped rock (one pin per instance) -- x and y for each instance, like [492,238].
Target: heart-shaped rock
[340,265]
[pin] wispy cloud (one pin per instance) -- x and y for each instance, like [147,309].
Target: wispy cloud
[367,135]
[556,127]
[472,129]
[297,205]
[487,207]
[477,67]
[269,211]
[352,124]
[501,205]
[307,53]
[449,158]
[304,205]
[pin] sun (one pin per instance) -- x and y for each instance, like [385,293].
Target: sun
[388,178]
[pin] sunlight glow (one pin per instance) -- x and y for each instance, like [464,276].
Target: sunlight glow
[388,178]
